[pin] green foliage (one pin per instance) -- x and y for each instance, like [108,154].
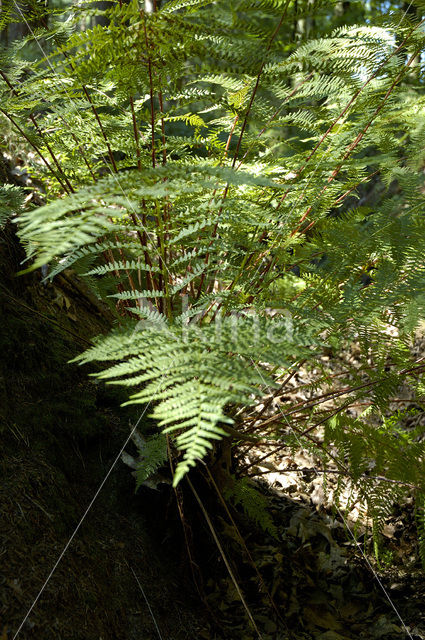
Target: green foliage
[195,160]
[386,461]
[242,492]
[152,456]
[11,202]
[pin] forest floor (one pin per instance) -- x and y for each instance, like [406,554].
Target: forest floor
[333,581]
[125,576]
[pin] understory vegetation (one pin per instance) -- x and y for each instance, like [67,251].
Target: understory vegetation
[243,184]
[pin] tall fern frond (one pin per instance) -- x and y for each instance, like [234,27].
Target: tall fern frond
[256,200]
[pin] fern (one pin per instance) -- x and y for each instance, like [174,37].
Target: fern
[152,457]
[243,492]
[11,202]
[198,157]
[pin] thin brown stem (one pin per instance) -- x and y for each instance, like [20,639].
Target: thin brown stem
[280,389]
[135,218]
[225,560]
[242,541]
[257,83]
[96,115]
[359,137]
[99,122]
[159,222]
[272,118]
[347,193]
[136,134]
[164,146]
[351,102]
[238,145]
[214,233]
[151,95]
[283,446]
[324,398]
[41,134]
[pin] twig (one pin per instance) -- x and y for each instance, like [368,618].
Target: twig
[334,471]
[225,560]
[242,540]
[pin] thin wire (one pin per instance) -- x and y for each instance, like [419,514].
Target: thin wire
[147,602]
[225,560]
[377,578]
[345,523]
[83,517]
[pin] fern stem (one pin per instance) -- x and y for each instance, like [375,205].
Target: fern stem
[167,205]
[257,83]
[152,107]
[143,241]
[318,444]
[346,109]
[325,397]
[95,113]
[41,134]
[242,541]
[336,171]
[165,303]
[359,137]
[225,560]
[325,379]
[347,193]
[163,276]
[214,232]
[335,472]
[244,124]
[136,134]
[86,162]
[187,531]
[350,103]
[128,274]
[99,122]
[135,218]
[164,147]
[272,118]
[347,154]
[278,391]
[250,256]
[50,150]
[109,258]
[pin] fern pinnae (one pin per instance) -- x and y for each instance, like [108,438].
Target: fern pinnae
[201,200]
